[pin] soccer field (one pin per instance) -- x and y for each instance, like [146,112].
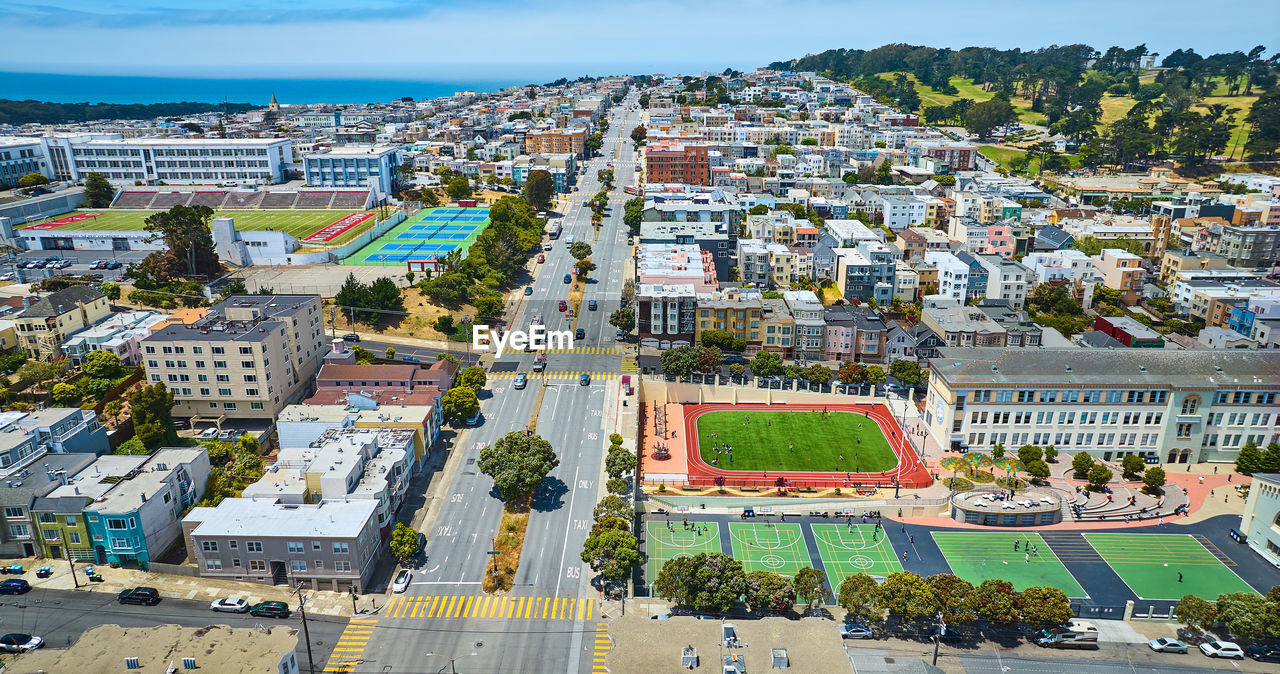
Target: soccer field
[847,551]
[842,442]
[298,223]
[767,546]
[977,556]
[1150,565]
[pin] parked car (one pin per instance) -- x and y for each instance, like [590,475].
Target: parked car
[142,596]
[620,335]
[17,642]
[7,276]
[229,605]
[1264,653]
[114,265]
[520,381]
[401,583]
[1163,645]
[541,258]
[15,586]
[528,290]
[181,424]
[546,246]
[351,337]
[98,264]
[227,434]
[422,541]
[210,432]
[1222,649]
[855,631]
[270,609]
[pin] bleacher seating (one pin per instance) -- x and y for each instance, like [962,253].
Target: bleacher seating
[314,199]
[211,199]
[278,200]
[243,200]
[350,200]
[134,199]
[166,200]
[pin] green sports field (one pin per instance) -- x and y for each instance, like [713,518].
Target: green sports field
[663,544]
[980,555]
[766,546]
[298,223]
[841,442]
[1150,563]
[846,552]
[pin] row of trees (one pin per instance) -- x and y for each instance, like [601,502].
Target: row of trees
[462,400]
[369,302]
[1245,615]
[716,582]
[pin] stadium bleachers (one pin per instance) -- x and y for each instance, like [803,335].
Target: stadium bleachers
[208,198]
[132,199]
[350,200]
[314,199]
[278,200]
[166,200]
[243,200]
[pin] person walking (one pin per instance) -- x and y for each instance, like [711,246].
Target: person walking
[1028,557]
[1179,576]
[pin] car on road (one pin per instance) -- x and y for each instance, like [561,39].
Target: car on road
[7,276]
[568,278]
[1222,649]
[1263,653]
[401,583]
[585,379]
[855,631]
[15,586]
[520,381]
[541,258]
[528,290]
[17,642]
[229,605]
[422,541]
[591,305]
[142,596]
[270,609]
[546,247]
[562,306]
[410,359]
[620,335]
[579,334]
[1163,645]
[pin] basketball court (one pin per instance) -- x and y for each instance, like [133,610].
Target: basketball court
[663,544]
[846,551]
[981,555]
[766,546]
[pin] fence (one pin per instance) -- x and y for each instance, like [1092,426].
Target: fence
[379,228]
[188,570]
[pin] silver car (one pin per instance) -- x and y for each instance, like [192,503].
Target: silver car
[1163,645]
[229,605]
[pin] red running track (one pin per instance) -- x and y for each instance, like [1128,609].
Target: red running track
[910,473]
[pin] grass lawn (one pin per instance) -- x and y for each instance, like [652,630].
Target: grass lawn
[663,544]
[819,441]
[846,552]
[1150,563]
[979,555]
[1004,156]
[766,546]
[299,224]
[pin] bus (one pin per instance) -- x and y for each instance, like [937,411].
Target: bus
[631,189]
[553,230]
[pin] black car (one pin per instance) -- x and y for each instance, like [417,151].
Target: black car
[351,337]
[15,586]
[580,334]
[270,609]
[142,596]
[1264,653]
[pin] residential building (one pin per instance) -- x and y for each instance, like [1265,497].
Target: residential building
[906,282]
[118,333]
[850,233]
[1250,247]
[22,486]
[572,140]
[44,326]
[1066,265]
[247,358]
[866,272]
[665,315]
[713,237]
[856,334]
[1006,280]
[1257,319]
[330,545]
[354,166]
[1260,521]
[952,275]
[419,412]
[58,515]
[915,241]
[1222,338]
[1121,270]
[777,328]
[1174,261]
[810,329]
[737,311]
[1177,406]
[1129,332]
[766,264]
[670,161]
[168,160]
[676,264]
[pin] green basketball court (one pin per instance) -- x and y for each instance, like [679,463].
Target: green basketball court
[847,552]
[1150,563]
[980,555]
[662,544]
[766,546]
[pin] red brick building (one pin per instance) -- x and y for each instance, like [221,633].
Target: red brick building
[677,162]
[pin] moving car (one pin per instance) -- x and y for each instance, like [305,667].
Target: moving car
[142,596]
[1163,645]
[401,583]
[585,379]
[591,305]
[270,609]
[229,605]
[528,290]
[520,381]
[351,337]
[15,586]
[17,642]
[620,335]
[546,246]
[1222,649]
[568,278]
[562,305]
[855,631]
[580,334]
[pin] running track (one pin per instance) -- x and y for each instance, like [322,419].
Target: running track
[910,472]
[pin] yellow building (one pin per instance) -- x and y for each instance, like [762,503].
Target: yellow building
[43,326]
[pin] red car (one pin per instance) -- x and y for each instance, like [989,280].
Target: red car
[542,258]
[563,305]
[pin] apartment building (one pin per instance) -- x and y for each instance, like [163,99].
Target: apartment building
[572,140]
[119,333]
[330,545]
[866,272]
[168,160]
[766,264]
[914,242]
[676,264]
[952,276]
[669,161]
[44,326]
[247,358]
[1121,270]
[855,334]
[737,311]
[777,327]
[1174,261]
[1183,406]
[665,314]
[1250,247]
[810,330]
[58,516]
[354,166]
[1006,280]
[712,237]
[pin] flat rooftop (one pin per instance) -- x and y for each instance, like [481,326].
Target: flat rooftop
[217,648]
[1108,368]
[266,517]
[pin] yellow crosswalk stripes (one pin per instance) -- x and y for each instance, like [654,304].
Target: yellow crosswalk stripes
[564,375]
[604,644]
[587,351]
[486,606]
[351,643]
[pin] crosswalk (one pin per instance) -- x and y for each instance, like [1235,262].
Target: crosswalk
[587,351]
[487,606]
[604,644]
[557,376]
[349,650]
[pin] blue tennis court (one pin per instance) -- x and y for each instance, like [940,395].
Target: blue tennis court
[429,234]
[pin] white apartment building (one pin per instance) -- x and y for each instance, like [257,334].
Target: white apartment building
[174,161]
[811,329]
[1065,265]
[953,275]
[248,357]
[1183,406]
[1006,280]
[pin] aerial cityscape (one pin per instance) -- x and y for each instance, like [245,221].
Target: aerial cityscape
[895,343]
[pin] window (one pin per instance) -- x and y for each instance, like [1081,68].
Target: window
[73,538]
[344,567]
[120,544]
[200,364]
[298,565]
[319,563]
[1159,397]
[340,548]
[295,548]
[218,351]
[223,378]
[213,565]
[246,364]
[256,406]
[257,565]
[220,364]
[51,534]
[71,520]
[224,391]
[209,546]
[246,350]
[1136,396]
[117,523]
[250,378]
[202,377]
[236,562]
[228,406]
[253,546]
[251,392]
[15,512]
[1191,404]
[1184,430]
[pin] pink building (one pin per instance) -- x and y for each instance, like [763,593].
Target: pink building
[1000,241]
[667,264]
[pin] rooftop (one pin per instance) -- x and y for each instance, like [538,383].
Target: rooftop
[266,517]
[216,647]
[62,301]
[1151,368]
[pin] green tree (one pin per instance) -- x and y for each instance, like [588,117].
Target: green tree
[908,596]
[997,451]
[1131,467]
[580,250]
[766,364]
[186,233]
[810,585]
[539,187]
[906,371]
[403,542]
[32,180]
[473,378]
[623,319]
[1196,613]
[517,462]
[817,374]
[97,191]
[110,289]
[1271,458]
[1248,616]
[953,596]
[612,553]
[620,462]
[1081,464]
[459,187]
[1029,453]
[704,582]
[459,403]
[101,365]
[617,486]
[152,410]
[613,507]
[633,214]
[1099,476]
[769,592]
[859,596]
[875,374]
[995,601]
[1051,453]
[983,118]
[1037,469]
[1154,479]
[34,371]
[1044,606]
[65,395]
[1248,459]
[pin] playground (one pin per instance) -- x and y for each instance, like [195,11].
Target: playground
[769,546]
[665,541]
[847,550]
[430,234]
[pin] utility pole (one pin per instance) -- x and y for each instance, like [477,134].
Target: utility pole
[306,634]
[70,563]
[937,639]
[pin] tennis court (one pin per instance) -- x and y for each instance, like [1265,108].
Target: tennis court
[663,544]
[429,234]
[977,556]
[846,551]
[1150,565]
[767,546]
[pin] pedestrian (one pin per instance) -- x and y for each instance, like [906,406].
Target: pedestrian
[1201,479]
[1179,576]
[1160,522]
[1015,545]
[1028,557]
[904,556]
[1215,470]
[1228,477]
[911,539]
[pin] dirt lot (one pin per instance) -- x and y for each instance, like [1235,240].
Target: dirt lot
[419,323]
[642,645]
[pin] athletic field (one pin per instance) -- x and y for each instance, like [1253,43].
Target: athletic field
[980,555]
[848,551]
[1150,563]
[298,223]
[662,544]
[841,442]
[766,546]
[427,235]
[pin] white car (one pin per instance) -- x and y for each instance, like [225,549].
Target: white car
[1222,649]
[20,643]
[229,605]
[1163,645]
[402,581]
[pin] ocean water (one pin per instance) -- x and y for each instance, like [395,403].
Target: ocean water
[114,89]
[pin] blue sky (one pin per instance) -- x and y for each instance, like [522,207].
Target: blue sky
[544,39]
